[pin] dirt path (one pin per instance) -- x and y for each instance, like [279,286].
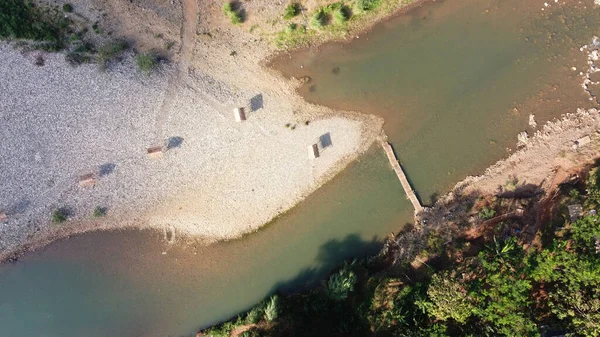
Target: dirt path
[241,329]
[177,80]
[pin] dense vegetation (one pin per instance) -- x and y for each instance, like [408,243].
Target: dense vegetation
[23,20]
[498,285]
[56,29]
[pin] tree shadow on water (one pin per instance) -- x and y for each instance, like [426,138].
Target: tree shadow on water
[331,255]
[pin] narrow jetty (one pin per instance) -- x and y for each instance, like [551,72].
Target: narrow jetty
[410,193]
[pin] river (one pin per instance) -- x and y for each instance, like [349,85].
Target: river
[455,82]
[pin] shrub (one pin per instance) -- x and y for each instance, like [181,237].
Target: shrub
[289,29]
[99,212]
[487,213]
[366,5]
[272,309]
[341,284]
[60,215]
[146,62]
[255,314]
[318,19]
[67,8]
[341,14]
[291,11]
[234,15]
[109,51]
[448,298]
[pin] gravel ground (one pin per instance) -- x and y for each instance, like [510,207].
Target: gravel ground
[222,179]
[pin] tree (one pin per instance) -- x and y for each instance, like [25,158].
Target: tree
[341,284]
[447,298]
[571,272]
[272,309]
[501,290]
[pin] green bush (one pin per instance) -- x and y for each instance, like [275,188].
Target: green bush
[341,14]
[341,284]
[448,298]
[272,309]
[234,15]
[67,8]
[255,314]
[318,19]
[487,213]
[289,29]
[23,20]
[291,11]
[366,5]
[60,215]
[146,62]
[109,51]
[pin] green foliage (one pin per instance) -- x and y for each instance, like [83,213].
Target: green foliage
[60,215]
[586,232]
[146,62]
[318,19]
[293,36]
[291,10]
[341,284]
[23,20]
[500,291]
[503,291]
[572,275]
[109,51]
[272,309]
[574,194]
[341,14]
[487,213]
[255,314]
[593,186]
[366,5]
[393,306]
[289,29]
[447,298]
[234,15]
[67,8]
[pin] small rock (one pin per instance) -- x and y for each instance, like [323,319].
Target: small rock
[532,122]
[522,138]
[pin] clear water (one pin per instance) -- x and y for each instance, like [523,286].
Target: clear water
[447,79]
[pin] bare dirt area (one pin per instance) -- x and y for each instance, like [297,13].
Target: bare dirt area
[214,177]
[552,149]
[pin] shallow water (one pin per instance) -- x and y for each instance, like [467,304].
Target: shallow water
[455,82]
[121,284]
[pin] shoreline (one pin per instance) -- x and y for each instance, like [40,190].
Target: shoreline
[367,130]
[213,60]
[353,33]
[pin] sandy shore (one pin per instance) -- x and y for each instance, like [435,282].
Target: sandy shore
[219,180]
